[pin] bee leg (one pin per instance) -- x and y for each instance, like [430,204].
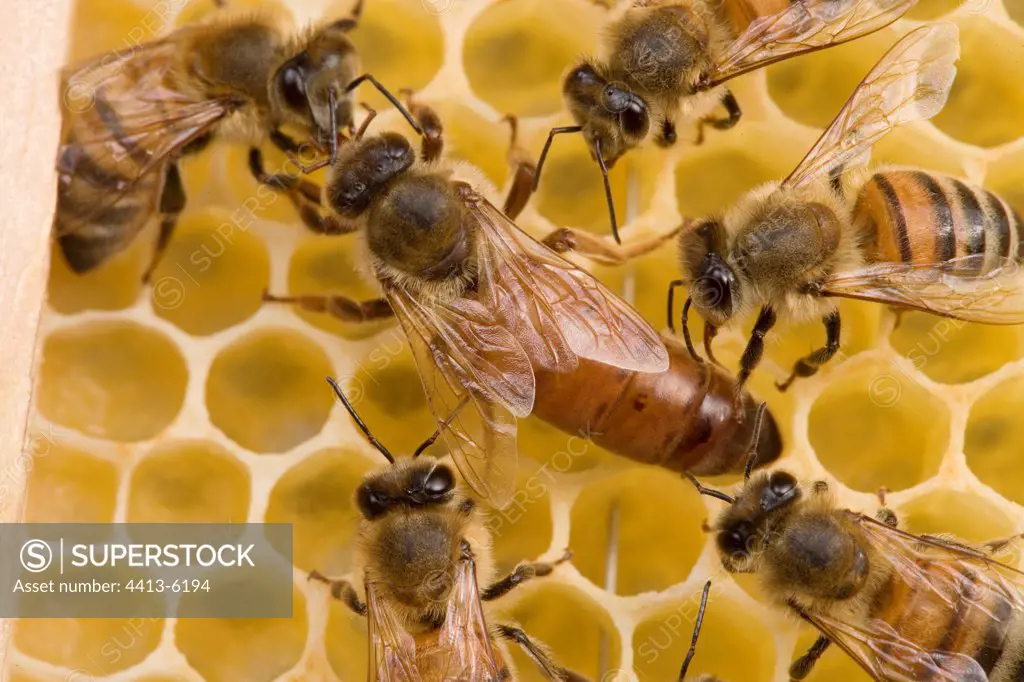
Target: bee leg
[539,654]
[341,590]
[710,332]
[432,140]
[366,77]
[897,312]
[172,203]
[284,182]
[808,366]
[752,355]
[303,194]
[351,21]
[667,136]
[601,250]
[371,114]
[284,143]
[802,666]
[995,546]
[340,307]
[521,574]
[733,111]
[524,173]
[887,516]
[884,514]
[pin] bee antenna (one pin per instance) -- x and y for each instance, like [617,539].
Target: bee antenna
[754,438]
[696,631]
[686,330]
[710,492]
[607,191]
[359,422]
[547,146]
[441,427]
[387,94]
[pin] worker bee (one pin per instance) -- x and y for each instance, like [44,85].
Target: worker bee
[832,230]
[423,549]
[482,304]
[669,59]
[129,117]
[904,607]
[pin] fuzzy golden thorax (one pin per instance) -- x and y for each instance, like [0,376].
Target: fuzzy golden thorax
[661,50]
[283,81]
[414,216]
[416,514]
[771,248]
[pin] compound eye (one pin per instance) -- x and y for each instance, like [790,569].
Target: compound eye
[349,195]
[439,482]
[583,74]
[634,118]
[354,191]
[293,87]
[371,503]
[734,541]
[712,291]
[781,484]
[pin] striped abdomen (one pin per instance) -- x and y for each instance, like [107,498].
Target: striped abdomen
[125,120]
[975,615]
[921,217]
[100,206]
[682,419]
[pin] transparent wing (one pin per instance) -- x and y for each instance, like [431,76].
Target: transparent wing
[886,656]
[464,637]
[557,311]
[951,581]
[392,649]
[804,26]
[124,118]
[909,83]
[962,288]
[477,380]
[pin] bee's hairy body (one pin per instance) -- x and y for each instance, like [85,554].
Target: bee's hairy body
[812,555]
[660,49]
[779,242]
[237,59]
[411,552]
[416,233]
[410,545]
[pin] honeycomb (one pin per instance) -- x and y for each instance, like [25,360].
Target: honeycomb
[193,402]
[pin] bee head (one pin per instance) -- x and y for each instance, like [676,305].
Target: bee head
[743,529]
[613,119]
[309,90]
[714,285]
[414,484]
[415,517]
[363,169]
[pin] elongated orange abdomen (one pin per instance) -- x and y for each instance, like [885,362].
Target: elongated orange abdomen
[681,419]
